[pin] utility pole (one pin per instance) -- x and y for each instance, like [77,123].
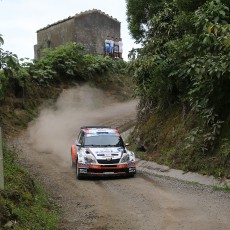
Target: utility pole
[1,161]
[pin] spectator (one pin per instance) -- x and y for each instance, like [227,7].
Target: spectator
[116,48]
[107,46]
[120,48]
[111,46]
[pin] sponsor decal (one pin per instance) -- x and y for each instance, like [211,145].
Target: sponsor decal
[82,165]
[105,151]
[97,132]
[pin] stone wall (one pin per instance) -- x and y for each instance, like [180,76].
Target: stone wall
[92,29]
[89,28]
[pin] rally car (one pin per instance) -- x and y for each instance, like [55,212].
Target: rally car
[100,151]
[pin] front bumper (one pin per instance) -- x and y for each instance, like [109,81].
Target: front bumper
[107,169]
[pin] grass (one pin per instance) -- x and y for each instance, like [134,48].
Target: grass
[23,203]
[225,188]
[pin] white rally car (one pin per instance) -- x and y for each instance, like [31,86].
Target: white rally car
[100,150]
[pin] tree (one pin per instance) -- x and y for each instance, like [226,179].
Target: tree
[8,60]
[139,14]
[187,65]
[189,5]
[8,63]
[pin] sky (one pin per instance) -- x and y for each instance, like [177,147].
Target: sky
[21,19]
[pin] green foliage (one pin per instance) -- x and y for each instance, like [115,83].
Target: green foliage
[152,69]
[8,64]
[68,62]
[23,201]
[3,84]
[96,65]
[62,63]
[187,65]
[139,14]
[189,5]
[207,69]
[8,60]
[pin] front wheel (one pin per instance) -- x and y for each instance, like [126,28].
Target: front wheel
[78,175]
[72,165]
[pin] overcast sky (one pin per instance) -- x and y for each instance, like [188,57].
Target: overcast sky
[20,19]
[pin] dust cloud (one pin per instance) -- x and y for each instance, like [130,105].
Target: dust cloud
[57,126]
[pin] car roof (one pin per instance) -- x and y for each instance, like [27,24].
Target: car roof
[99,130]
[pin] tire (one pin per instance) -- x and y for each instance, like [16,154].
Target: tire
[79,177]
[72,165]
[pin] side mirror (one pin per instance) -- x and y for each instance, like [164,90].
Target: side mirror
[126,144]
[78,144]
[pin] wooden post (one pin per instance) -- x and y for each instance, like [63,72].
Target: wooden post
[1,161]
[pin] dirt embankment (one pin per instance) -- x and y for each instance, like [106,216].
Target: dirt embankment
[144,202]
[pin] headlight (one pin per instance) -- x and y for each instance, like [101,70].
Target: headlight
[89,159]
[125,158]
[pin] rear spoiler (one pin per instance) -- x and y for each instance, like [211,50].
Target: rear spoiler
[95,126]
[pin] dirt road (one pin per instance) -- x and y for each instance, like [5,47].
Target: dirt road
[145,202]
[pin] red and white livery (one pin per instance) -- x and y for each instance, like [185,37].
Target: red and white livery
[100,151]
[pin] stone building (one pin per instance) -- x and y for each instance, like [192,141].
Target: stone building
[89,28]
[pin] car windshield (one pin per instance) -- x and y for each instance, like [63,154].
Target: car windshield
[104,140]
